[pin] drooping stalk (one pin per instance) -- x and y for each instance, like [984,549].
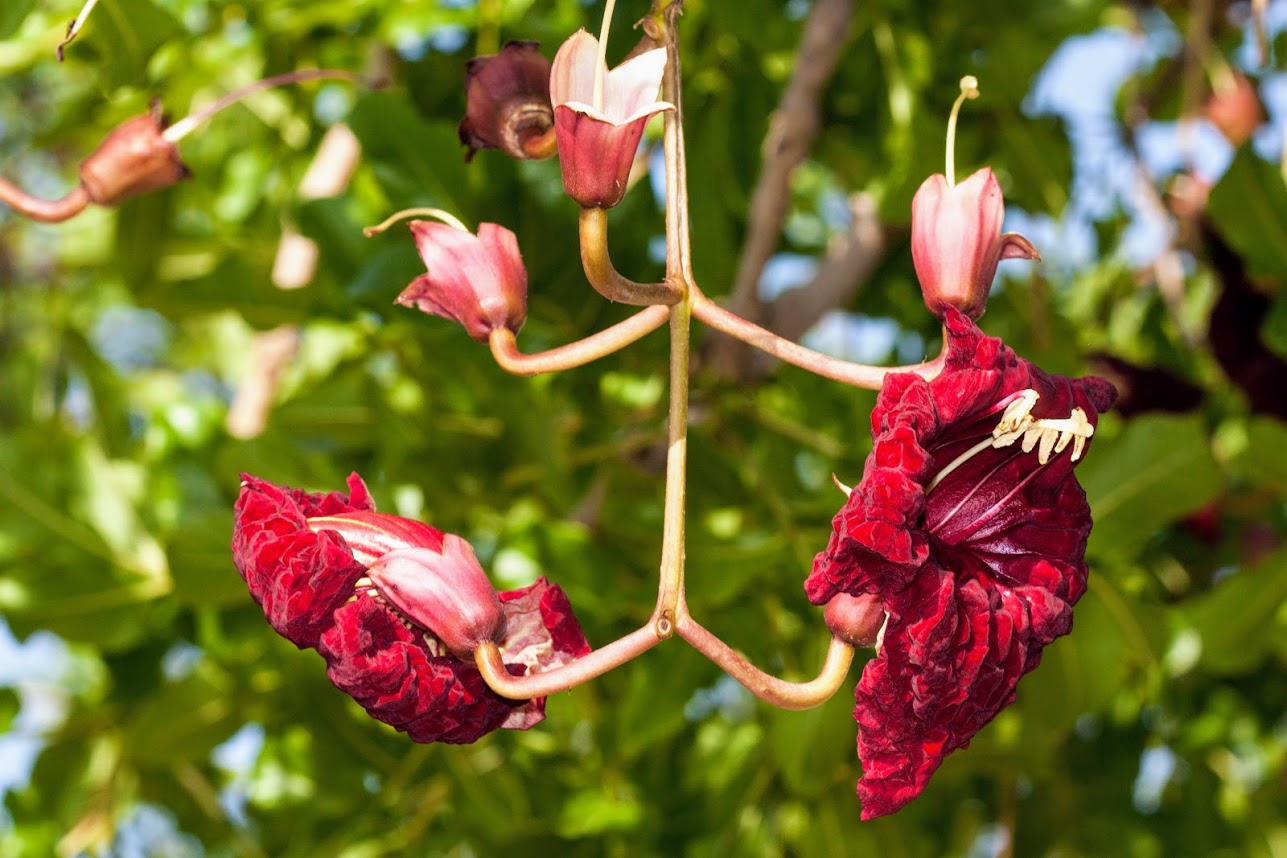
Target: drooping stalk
[846,372]
[603,275]
[46,211]
[73,29]
[504,346]
[437,214]
[770,689]
[188,124]
[491,665]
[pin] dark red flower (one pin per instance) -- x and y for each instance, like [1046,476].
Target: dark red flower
[305,558]
[971,528]
[507,103]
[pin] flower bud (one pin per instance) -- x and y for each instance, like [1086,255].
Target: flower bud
[447,593]
[477,280]
[1236,111]
[370,535]
[507,98]
[133,159]
[856,620]
[598,134]
[957,241]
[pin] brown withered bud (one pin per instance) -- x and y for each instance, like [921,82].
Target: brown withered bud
[507,98]
[133,159]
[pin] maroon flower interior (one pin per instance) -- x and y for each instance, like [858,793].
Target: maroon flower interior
[311,588]
[976,549]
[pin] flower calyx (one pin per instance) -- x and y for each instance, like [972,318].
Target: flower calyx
[476,280]
[857,620]
[599,126]
[136,157]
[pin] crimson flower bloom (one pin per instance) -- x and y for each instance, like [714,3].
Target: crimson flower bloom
[597,143]
[507,103]
[971,528]
[309,560]
[957,241]
[477,280]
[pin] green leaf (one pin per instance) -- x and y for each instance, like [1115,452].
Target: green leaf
[1156,471]
[1249,209]
[1232,620]
[9,705]
[124,34]
[12,14]
[593,812]
[1263,460]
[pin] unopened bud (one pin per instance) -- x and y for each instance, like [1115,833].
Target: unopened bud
[856,620]
[446,593]
[133,159]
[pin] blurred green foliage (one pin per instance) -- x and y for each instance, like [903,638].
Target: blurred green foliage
[124,335]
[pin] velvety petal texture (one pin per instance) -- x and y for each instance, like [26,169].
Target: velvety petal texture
[292,549]
[974,539]
[476,280]
[597,145]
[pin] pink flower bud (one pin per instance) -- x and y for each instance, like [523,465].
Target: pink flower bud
[957,241]
[597,142]
[1236,112]
[370,534]
[445,592]
[507,97]
[477,280]
[856,620]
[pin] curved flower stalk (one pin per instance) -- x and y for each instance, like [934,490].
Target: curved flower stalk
[334,575]
[599,128]
[139,155]
[971,528]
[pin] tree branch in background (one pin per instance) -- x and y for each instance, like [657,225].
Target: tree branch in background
[270,352]
[848,263]
[792,131]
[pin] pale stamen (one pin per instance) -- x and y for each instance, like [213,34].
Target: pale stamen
[1048,436]
[601,65]
[969,89]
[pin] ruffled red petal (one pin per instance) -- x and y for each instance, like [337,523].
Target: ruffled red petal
[977,575]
